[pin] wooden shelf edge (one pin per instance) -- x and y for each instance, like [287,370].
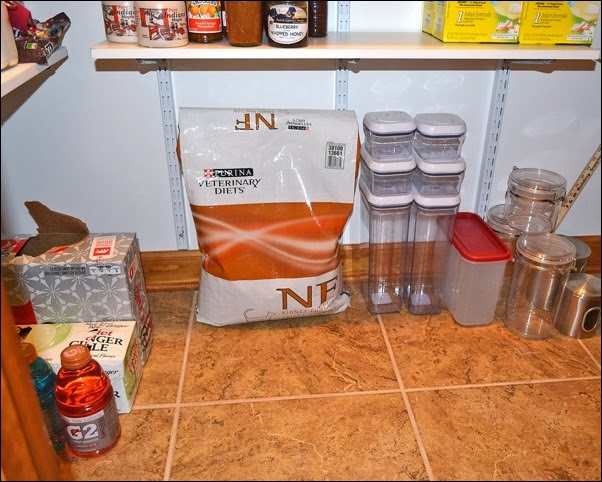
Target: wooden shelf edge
[17,75]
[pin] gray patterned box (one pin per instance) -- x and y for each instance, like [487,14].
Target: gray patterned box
[97,279]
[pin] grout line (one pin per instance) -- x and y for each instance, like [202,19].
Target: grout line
[589,353]
[406,401]
[176,416]
[503,384]
[286,398]
[209,403]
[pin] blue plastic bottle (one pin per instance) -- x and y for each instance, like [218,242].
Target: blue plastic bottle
[44,381]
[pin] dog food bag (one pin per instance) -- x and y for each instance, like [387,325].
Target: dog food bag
[270,192]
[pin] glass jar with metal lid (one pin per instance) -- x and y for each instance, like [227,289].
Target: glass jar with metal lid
[533,199]
[543,262]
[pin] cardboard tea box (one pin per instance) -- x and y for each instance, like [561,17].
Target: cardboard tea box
[67,275]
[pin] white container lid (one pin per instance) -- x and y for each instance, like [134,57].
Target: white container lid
[440,124]
[435,202]
[440,166]
[384,201]
[389,122]
[403,164]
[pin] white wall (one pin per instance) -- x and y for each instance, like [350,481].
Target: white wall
[87,138]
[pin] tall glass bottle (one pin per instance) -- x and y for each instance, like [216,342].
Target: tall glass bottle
[318,18]
[44,381]
[86,402]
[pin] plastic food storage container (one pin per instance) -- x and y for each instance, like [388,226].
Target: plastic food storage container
[389,134]
[386,219]
[542,266]
[475,270]
[533,199]
[441,178]
[439,135]
[387,178]
[431,225]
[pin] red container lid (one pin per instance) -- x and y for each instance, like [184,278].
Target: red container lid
[476,241]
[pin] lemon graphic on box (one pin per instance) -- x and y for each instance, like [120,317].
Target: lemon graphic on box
[586,10]
[47,335]
[510,10]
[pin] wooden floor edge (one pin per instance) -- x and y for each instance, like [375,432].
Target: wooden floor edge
[179,270]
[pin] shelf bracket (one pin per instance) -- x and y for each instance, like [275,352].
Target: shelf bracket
[168,116]
[492,136]
[342,74]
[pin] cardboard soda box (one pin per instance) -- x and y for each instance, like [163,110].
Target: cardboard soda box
[559,22]
[99,278]
[113,344]
[497,22]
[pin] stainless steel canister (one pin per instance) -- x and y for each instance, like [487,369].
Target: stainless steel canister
[582,255]
[542,266]
[578,313]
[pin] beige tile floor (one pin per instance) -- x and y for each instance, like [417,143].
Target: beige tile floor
[355,396]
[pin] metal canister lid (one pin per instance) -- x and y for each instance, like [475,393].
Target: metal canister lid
[583,251]
[546,250]
[584,286]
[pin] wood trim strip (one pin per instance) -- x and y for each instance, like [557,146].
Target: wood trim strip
[179,270]
[27,452]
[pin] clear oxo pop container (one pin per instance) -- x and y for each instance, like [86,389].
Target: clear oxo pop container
[475,270]
[390,178]
[439,135]
[386,218]
[389,134]
[438,178]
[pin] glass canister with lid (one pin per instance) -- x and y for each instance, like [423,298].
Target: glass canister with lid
[508,235]
[533,199]
[542,265]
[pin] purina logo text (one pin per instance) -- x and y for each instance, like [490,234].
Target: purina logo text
[227,181]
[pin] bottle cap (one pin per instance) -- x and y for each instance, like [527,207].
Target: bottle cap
[29,352]
[75,356]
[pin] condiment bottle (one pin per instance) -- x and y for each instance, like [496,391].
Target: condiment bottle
[287,24]
[204,21]
[44,381]
[244,23]
[86,402]
[318,18]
